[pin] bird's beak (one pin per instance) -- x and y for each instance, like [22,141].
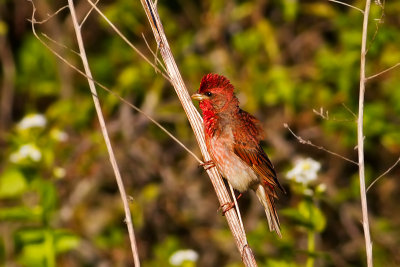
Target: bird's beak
[199,97]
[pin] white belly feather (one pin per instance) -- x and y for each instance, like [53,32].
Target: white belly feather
[235,170]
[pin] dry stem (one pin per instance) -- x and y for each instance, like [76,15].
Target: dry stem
[382,72]
[308,142]
[128,218]
[383,174]
[196,123]
[345,4]
[127,41]
[360,137]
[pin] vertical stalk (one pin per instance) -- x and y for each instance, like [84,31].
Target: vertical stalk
[49,247]
[310,238]
[360,137]
[310,248]
[82,54]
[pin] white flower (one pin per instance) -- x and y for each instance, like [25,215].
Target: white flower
[32,120]
[304,171]
[26,151]
[59,135]
[181,256]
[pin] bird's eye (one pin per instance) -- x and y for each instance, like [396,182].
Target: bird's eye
[208,94]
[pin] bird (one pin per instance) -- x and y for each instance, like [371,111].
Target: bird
[233,138]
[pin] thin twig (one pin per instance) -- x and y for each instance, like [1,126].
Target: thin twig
[383,174]
[349,110]
[153,121]
[49,16]
[197,126]
[128,217]
[377,23]
[127,41]
[345,4]
[87,15]
[154,54]
[236,205]
[308,142]
[382,72]
[59,44]
[325,115]
[360,137]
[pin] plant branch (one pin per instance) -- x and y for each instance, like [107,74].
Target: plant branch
[196,124]
[382,72]
[56,43]
[345,4]
[325,115]
[377,22]
[127,41]
[154,54]
[383,174]
[128,217]
[49,16]
[87,14]
[308,142]
[360,137]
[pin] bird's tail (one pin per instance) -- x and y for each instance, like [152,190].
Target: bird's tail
[266,197]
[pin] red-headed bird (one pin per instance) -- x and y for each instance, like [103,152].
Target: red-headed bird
[233,140]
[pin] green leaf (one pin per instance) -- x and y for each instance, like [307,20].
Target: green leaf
[26,236]
[20,213]
[33,255]
[12,183]
[65,241]
[307,215]
[314,215]
[48,196]
[290,9]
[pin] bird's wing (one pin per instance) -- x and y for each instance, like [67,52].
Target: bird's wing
[247,147]
[259,162]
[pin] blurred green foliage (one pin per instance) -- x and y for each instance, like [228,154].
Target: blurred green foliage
[59,204]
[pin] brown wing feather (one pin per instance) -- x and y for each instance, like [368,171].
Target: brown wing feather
[250,150]
[259,162]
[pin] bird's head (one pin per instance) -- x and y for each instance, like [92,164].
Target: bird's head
[216,94]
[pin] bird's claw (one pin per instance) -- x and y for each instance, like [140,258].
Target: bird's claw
[208,164]
[226,207]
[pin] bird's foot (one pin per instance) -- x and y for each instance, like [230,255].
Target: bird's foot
[208,164]
[226,207]
[229,205]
